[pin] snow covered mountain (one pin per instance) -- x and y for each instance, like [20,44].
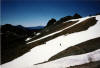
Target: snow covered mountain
[73,42]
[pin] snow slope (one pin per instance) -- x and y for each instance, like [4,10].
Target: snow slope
[45,51]
[71,60]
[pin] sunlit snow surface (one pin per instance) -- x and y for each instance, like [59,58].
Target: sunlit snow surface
[28,39]
[44,52]
[71,60]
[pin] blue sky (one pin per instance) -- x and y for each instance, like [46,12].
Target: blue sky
[38,12]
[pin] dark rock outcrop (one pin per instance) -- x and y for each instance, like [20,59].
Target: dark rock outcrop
[51,22]
[76,16]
